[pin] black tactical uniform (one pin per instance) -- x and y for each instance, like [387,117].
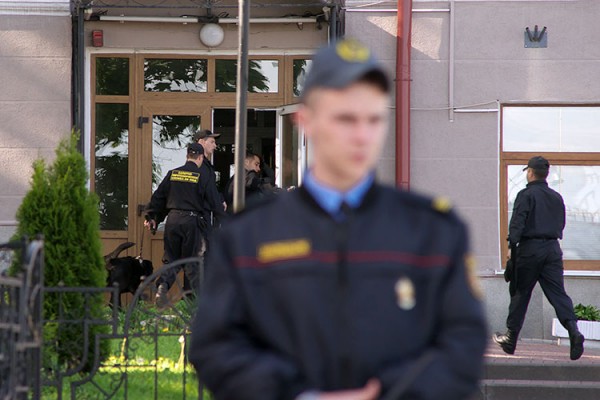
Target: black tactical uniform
[181,196]
[322,304]
[536,225]
[213,202]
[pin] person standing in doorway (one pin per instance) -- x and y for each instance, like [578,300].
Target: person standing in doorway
[214,206]
[537,223]
[343,288]
[180,196]
[252,182]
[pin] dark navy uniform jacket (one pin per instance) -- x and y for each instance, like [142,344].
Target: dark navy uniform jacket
[183,188]
[297,301]
[538,213]
[213,201]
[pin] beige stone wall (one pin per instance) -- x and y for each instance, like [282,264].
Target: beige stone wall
[175,36]
[378,31]
[35,100]
[458,155]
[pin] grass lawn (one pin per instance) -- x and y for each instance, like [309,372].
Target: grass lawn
[149,366]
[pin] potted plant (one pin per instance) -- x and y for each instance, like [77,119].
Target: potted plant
[588,321]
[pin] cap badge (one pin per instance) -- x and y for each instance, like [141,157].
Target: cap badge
[352,51]
[405,294]
[442,205]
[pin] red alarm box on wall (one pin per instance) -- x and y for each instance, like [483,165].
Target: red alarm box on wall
[97,38]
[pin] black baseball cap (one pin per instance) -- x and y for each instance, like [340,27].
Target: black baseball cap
[537,162]
[195,148]
[203,134]
[341,64]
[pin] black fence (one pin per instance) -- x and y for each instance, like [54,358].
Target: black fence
[132,352]
[20,320]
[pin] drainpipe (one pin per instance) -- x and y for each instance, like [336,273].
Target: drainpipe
[77,92]
[403,47]
[333,24]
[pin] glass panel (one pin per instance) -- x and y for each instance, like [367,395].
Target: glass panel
[301,68]
[530,129]
[112,76]
[580,188]
[260,140]
[180,75]
[580,129]
[289,150]
[226,75]
[170,137]
[112,164]
[263,76]
[543,129]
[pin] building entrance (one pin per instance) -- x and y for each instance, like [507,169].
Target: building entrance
[144,111]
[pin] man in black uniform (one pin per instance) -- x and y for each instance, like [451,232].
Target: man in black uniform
[252,183]
[181,196]
[214,207]
[537,223]
[214,203]
[343,288]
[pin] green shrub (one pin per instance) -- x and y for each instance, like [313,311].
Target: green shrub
[61,208]
[587,313]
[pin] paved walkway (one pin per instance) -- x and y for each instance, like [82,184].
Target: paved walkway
[541,351]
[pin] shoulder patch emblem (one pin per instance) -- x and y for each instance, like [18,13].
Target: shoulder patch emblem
[442,205]
[185,176]
[283,250]
[472,278]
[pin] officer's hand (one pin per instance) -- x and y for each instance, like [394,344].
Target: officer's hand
[150,224]
[508,254]
[369,392]
[224,206]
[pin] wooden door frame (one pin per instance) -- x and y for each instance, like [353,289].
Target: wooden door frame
[143,185]
[141,103]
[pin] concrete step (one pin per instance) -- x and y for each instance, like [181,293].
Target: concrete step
[509,389]
[542,371]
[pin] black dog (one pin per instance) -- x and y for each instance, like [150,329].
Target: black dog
[126,272]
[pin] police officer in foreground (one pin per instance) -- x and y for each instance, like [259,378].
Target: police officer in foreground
[537,223]
[180,196]
[343,288]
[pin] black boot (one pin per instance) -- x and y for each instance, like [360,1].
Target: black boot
[576,339]
[508,341]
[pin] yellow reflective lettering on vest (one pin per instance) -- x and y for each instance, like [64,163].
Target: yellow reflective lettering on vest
[185,176]
[287,249]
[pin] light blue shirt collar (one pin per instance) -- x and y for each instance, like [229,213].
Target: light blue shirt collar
[331,199]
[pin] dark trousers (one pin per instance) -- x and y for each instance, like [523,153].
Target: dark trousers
[538,261]
[183,239]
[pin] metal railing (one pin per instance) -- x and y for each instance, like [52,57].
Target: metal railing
[120,351]
[21,298]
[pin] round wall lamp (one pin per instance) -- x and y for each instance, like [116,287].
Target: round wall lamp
[212,35]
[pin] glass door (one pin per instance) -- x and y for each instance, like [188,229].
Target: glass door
[291,149]
[113,157]
[166,132]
